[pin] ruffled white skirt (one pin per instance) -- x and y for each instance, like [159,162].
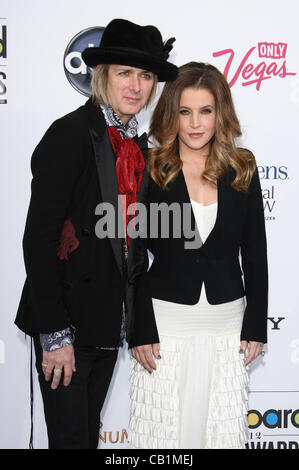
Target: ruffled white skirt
[197,396]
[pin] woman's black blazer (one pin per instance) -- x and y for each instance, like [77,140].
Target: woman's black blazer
[232,262]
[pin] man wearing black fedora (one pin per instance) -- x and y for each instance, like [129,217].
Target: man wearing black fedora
[73,299]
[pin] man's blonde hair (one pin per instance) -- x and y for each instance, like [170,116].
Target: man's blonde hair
[99,81]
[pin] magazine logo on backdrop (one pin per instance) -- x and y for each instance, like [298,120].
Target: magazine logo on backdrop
[265,61]
[113,437]
[271,419]
[272,175]
[280,424]
[3,63]
[275,322]
[76,71]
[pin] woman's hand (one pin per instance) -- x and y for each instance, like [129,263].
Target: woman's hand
[145,355]
[255,348]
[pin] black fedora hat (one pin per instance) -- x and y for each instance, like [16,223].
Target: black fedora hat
[127,43]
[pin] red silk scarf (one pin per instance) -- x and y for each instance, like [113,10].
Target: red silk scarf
[129,169]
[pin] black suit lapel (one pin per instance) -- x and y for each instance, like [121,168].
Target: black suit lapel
[224,199]
[179,192]
[182,196]
[105,164]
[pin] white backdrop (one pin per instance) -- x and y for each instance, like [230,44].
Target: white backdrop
[254,41]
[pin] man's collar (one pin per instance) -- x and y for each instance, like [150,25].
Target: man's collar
[127,131]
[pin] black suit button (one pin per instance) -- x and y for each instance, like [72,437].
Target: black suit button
[85,232]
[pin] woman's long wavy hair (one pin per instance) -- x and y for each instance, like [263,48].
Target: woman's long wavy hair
[164,161]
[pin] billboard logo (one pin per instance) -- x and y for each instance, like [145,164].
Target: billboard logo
[76,71]
[2,87]
[3,55]
[273,419]
[270,63]
[3,42]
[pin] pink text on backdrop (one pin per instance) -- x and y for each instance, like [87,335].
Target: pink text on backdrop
[255,74]
[271,50]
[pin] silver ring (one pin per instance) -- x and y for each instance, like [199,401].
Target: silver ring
[262,353]
[57,371]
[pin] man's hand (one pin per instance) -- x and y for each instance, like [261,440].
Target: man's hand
[145,355]
[58,362]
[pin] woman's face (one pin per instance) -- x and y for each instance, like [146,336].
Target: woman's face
[197,120]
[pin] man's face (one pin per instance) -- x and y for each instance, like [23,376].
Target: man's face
[128,90]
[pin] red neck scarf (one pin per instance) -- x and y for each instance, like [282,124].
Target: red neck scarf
[129,168]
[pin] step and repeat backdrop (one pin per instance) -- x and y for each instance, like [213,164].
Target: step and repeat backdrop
[42,77]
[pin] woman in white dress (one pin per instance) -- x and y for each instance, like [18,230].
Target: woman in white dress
[198,322]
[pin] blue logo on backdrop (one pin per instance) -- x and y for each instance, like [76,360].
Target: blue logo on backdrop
[76,71]
[273,172]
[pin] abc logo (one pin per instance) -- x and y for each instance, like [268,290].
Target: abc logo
[76,71]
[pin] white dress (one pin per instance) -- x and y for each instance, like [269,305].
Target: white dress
[197,396]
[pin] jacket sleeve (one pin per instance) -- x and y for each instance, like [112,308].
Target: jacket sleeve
[56,165]
[142,327]
[254,264]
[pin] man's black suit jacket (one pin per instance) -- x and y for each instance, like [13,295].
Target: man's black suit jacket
[73,171]
[177,273]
